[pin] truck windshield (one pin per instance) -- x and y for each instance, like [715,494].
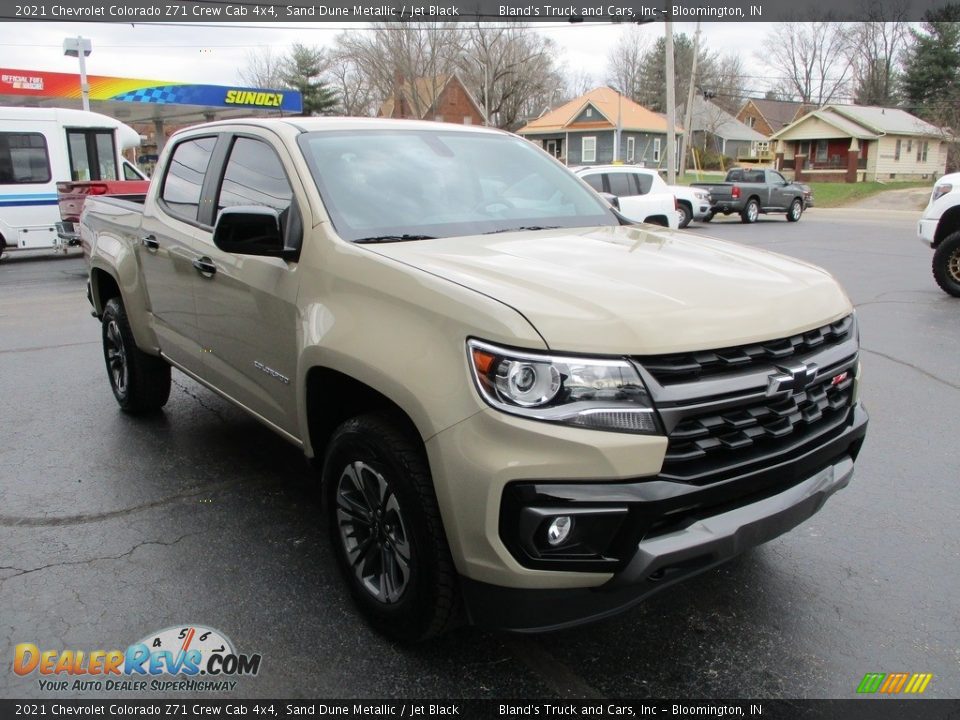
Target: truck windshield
[394,185]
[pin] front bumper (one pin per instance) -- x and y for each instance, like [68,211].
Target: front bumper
[701,210]
[927,231]
[783,497]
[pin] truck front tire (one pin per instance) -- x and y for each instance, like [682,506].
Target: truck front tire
[386,530]
[140,382]
[946,264]
[795,211]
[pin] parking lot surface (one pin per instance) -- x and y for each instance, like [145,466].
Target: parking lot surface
[112,527]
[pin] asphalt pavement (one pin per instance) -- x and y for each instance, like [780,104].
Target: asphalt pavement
[112,527]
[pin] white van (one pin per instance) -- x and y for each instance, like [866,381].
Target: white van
[42,146]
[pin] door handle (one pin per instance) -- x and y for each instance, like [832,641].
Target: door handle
[150,242]
[205,266]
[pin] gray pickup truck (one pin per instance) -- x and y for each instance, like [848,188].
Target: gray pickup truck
[751,192]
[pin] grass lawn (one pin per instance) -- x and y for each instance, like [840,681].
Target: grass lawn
[839,194]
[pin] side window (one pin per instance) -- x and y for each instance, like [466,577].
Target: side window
[184,178]
[620,184]
[776,177]
[23,159]
[644,181]
[130,172]
[595,181]
[254,176]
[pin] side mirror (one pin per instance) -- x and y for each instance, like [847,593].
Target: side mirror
[252,230]
[610,198]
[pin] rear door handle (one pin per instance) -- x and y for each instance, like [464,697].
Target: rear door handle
[150,242]
[205,266]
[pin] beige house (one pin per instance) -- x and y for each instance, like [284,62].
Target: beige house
[848,143]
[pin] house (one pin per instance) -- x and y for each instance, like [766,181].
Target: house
[859,142]
[714,130]
[584,131]
[770,116]
[443,98]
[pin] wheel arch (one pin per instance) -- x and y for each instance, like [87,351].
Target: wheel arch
[949,223]
[103,286]
[333,397]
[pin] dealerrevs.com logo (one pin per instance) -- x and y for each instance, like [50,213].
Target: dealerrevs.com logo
[183,658]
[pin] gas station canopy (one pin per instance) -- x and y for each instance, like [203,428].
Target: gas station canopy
[135,101]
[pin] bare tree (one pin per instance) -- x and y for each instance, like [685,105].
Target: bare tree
[625,62]
[389,54]
[812,58]
[353,88]
[511,71]
[576,82]
[263,69]
[874,50]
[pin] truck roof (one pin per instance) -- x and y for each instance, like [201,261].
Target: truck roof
[315,124]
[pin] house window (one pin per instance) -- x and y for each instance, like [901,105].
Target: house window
[910,147]
[589,112]
[656,150]
[821,150]
[588,149]
[751,121]
[922,148]
[467,120]
[896,151]
[631,149]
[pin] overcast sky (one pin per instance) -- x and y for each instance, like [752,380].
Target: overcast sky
[189,53]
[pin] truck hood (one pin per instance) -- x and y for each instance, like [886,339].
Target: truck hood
[634,290]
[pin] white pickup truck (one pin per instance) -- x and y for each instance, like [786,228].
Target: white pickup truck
[528,411]
[939,227]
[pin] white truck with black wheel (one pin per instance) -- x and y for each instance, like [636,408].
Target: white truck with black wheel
[939,228]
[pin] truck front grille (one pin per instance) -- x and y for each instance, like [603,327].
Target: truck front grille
[726,418]
[712,445]
[686,367]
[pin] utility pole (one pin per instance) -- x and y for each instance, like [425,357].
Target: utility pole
[686,141]
[671,108]
[79,47]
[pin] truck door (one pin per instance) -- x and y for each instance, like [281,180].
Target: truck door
[174,236]
[779,197]
[246,307]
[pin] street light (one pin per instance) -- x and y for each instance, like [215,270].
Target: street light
[79,47]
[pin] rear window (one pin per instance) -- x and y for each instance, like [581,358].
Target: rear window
[23,159]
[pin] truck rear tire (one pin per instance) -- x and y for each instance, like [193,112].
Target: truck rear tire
[946,264]
[140,382]
[386,530]
[751,211]
[795,211]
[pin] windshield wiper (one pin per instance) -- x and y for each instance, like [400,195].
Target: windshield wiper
[523,227]
[393,238]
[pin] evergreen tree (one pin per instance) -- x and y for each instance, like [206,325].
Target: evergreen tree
[302,70]
[931,76]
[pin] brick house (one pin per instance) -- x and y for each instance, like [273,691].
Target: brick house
[770,116]
[443,98]
[859,142]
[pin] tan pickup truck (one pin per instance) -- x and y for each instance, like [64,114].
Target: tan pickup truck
[529,412]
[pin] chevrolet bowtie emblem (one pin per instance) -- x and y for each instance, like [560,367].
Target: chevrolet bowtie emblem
[792,378]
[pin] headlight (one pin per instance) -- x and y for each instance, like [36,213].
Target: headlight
[588,392]
[940,190]
[702,196]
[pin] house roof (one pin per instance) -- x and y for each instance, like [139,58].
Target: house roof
[866,122]
[610,104]
[711,118]
[777,113]
[892,121]
[426,90]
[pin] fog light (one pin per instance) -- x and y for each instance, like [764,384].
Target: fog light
[559,530]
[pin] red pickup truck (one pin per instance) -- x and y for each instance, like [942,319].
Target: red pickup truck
[71,196]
